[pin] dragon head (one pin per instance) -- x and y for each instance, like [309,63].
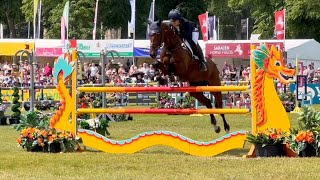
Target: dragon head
[271,61]
[62,65]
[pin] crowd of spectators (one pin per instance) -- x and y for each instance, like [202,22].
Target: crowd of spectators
[91,73]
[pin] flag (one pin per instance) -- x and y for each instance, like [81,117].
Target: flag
[38,32]
[95,21]
[151,17]
[35,11]
[63,29]
[133,16]
[65,16]
[279,24]
[210,27]
[244,25]
[203,20]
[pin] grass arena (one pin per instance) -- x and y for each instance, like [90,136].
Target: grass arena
[162,161]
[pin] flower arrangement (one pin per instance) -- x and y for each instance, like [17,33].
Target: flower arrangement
[305,140]
[269,136]
[47,140]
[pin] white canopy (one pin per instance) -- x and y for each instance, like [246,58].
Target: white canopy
[306,50]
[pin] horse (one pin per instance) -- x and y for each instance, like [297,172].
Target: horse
[176,53]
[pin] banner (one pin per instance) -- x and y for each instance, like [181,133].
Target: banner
[95,21]
[312,89]
[9,49]
[204,25]
[65,16]
[151,17]
[279,24]
[133,16]
[93,48]
[233,50]
[144,52]
[211,28]
[48,52]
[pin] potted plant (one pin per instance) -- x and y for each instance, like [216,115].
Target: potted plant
[305,140]
[268,143]
[48,140]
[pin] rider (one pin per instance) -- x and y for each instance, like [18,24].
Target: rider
[188,30]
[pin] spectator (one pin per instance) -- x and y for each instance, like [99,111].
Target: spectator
[47,70]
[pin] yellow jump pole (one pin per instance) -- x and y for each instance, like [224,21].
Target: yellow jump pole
[74,89]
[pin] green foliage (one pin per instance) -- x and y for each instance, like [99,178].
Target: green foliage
[33,119]
[309,119]
[12,16]
[84,124]
[15,108]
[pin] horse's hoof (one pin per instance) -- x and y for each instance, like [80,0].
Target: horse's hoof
[217,130]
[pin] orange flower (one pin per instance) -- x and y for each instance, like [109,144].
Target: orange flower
[19,140]
[273,136]
[32,130]
[310,140]
[44,133]
[24,132]
[30,136]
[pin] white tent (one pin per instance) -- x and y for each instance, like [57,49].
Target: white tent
[306,50]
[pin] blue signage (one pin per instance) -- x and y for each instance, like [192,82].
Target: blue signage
[143,52]
[312,89]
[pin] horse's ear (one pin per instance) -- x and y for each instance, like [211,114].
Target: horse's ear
[159,22]
[149,21]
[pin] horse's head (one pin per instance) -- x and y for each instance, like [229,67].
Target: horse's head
[155,37]
[272,62]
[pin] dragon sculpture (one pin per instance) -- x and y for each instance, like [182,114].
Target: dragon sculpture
[63,68]
[270,66]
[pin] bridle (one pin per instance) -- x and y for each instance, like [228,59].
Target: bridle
[157,46]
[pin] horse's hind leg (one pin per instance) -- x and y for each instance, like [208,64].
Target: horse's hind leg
[205,101]
[218,104]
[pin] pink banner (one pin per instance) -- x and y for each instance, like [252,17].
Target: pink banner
[49,52]
[233,50]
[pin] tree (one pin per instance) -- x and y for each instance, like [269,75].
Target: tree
[303,19]
[263,15]
[11,15]
[230,13]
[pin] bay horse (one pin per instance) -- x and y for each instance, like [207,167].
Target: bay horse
[175,53]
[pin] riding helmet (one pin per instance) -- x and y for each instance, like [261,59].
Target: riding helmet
[174,14]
